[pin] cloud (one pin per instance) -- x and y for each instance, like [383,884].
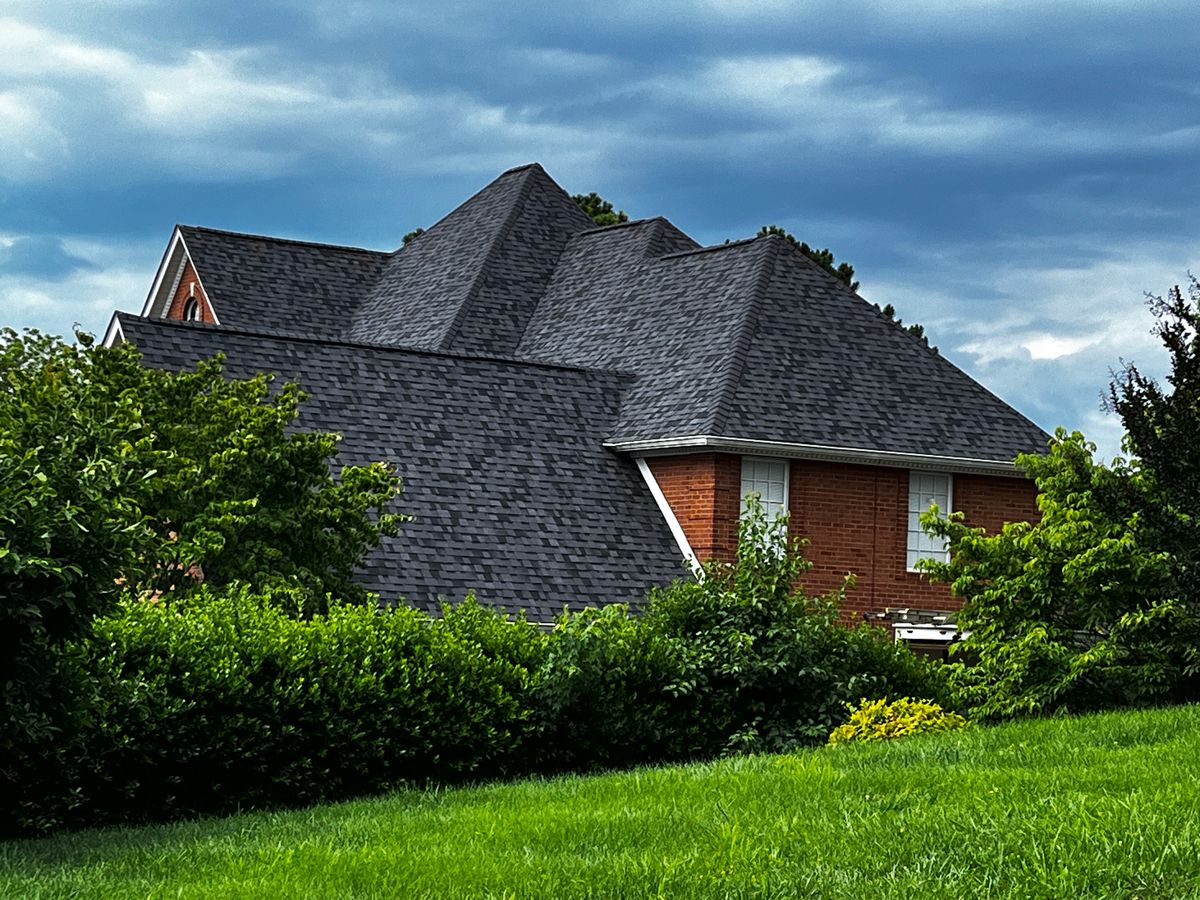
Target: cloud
[1046,338]
[59,282]
[45,256]
[242,113]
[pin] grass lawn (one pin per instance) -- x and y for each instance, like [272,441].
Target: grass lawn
[1103,806]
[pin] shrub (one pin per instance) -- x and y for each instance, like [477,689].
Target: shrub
[225,699]
[769,667]
[1073,613]
[879,720]
[611,693]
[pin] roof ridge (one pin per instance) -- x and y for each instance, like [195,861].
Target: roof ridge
[740,345]
[599,229]
[521,168]
[504,174]
[498,239]
[372,345]
[283,240]
[715,248]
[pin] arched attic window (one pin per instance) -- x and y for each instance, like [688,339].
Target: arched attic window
[191,310]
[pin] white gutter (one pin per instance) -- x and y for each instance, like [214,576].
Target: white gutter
[861,456]
[664,507]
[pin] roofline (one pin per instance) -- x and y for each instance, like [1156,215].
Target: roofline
[175,259]
[163,264]
[823,452]
[286,240]
[114,335]
[216,328]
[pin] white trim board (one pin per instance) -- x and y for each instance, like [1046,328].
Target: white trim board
[861,456]
[113,335]
[664,507]
[172,267]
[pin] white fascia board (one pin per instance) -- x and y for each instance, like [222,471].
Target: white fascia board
[167,279]
[113,335]
[664,507]
[171,264]
[822,452]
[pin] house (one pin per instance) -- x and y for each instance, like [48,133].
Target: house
[578,411]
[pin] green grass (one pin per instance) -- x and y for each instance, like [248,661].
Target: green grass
[1103,806]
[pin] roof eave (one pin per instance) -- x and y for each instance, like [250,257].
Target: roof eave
[821,452]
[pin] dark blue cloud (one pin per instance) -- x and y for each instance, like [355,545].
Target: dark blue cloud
[1006,172]
[41,256]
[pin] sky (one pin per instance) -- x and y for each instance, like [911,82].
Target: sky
[1014,176]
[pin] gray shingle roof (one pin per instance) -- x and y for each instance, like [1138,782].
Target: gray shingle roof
[513,494]
[746,340]
[259,282]
[493,356]
[471,281]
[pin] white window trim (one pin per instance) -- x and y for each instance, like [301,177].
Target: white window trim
[945,512]
[787,490]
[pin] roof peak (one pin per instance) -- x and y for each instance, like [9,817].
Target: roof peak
[522,168]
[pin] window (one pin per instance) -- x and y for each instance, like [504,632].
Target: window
[768,480]
[191,310]
[924,490]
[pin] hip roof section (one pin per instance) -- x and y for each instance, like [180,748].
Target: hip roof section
[749,340]
[512,492]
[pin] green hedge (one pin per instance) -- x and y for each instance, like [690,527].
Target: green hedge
[228,699]
[220,701]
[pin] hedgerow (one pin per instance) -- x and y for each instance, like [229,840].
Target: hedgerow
[232,697]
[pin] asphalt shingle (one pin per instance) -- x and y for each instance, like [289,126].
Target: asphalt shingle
[513,494]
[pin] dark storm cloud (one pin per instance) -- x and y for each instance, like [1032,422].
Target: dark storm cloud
[1013,175]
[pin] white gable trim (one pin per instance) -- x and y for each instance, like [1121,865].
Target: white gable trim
[821,452]
[166,280]
[664,507]
[114,335]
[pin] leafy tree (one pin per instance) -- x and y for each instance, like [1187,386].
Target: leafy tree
[843,271]
[241,493]
[116,478]
[1074,612]
[411,236]
[601,211]
[1161,427]
[73,462]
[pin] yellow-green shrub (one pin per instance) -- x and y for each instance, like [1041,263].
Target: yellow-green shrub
[879,720]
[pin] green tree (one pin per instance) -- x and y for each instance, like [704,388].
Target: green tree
[117,478]
[73,463]
[842,271]
[1074,612]
[1161,426]
[247,497]
[601,211]
[917,331]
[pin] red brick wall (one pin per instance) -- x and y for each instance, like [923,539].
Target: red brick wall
[704,491]
[855,518]
[184,292]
